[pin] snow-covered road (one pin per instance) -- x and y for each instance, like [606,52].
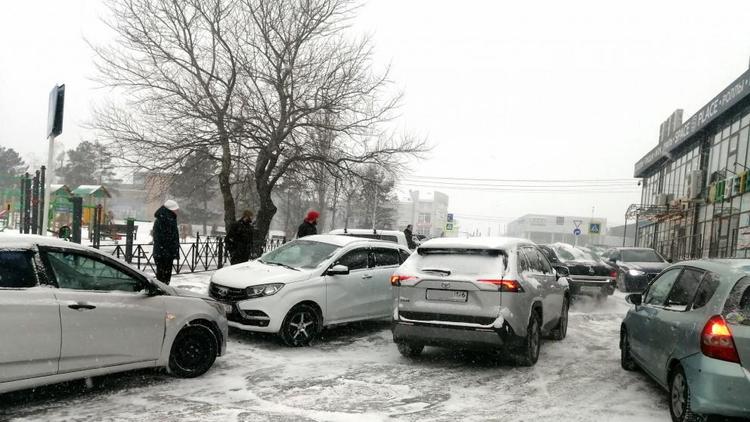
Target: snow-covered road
[355,373]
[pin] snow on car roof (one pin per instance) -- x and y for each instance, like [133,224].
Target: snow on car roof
[364,231]
[476,242]
[340,240]
[28,241]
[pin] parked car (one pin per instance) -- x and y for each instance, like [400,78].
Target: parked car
[394,236]
[308,284]
[69,312]
[636,267]
[589,275]
[479,293]
[690,331]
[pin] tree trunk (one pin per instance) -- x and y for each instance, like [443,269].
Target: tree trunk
[224,184]
[265,215]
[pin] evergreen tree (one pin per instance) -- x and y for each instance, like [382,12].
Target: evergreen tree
[89,164]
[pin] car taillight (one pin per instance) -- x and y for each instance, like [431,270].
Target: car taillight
[717,341]
[613,274]
[396,279]
[507,286]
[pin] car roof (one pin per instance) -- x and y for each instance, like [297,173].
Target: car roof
[621,248]
[340,240]
[728,267]
[365,231]
[29,241]
[476,242]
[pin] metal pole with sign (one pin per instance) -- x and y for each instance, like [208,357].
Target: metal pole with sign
[54,128]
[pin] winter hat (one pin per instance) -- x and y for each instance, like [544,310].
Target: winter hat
[171,205]
[312,216]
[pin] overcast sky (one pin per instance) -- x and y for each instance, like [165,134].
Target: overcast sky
[502,90]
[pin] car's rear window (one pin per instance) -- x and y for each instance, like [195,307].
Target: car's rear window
[16,269]
[737,306]
[640,255]
[462,261]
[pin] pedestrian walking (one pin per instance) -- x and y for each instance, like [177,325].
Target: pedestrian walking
[239,240]
[166,240]
[409,237]
[309,226]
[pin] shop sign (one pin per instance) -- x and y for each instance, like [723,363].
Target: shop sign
[726,189]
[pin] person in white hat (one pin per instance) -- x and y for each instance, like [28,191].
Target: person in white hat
[166,240]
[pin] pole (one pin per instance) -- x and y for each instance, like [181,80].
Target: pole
[42,204]
[47,182]
[625,230]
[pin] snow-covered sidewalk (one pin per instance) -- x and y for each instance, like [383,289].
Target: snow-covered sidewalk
[355,373]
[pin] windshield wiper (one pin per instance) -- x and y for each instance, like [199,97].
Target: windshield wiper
[280,265]
[436,270]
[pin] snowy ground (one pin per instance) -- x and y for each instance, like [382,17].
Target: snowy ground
[355,373]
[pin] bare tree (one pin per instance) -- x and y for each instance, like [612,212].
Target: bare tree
[174,64]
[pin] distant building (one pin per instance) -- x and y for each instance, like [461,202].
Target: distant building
[426,211]
[541,228]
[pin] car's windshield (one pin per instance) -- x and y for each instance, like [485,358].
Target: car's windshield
[300,254]
[567,252]
[640,255]
[461,261]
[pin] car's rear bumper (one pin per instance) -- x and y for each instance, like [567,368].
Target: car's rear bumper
[452,336]
[591,285]
[717,387]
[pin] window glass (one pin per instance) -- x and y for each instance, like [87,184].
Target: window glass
[17,269]
[684,289]
[660,288]
[355,260]
[301,254]
[543,262]
[706,290]
[384,257]
[640,255]
[80,272]
[548,253]
[389,238]
[404,255]
[523,262]
[745,120]
[737,306]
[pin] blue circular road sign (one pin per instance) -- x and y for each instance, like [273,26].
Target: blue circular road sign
[577,232]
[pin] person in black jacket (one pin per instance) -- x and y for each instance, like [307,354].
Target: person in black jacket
[166,240]
[239,238]
[409,237]
[308,227]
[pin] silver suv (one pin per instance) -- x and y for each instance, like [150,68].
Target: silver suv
[480,293]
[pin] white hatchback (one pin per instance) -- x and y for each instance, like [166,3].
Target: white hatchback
[308,284]
[69,312]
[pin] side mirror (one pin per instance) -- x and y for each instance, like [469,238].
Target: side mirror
[562,271]
[338,270]
[670,260]
[634,299]
[152,289]
[612,259]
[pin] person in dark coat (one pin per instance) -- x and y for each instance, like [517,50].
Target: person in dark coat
[409,237]
[166,240]
[239,238]
[309,226]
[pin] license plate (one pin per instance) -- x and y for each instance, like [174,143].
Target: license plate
[447,295]
[591,289]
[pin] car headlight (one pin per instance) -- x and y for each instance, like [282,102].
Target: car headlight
[264,290]
[636,273]
[221,308]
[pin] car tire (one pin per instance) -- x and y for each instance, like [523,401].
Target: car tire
[410,350]
[194,351]
[561,331]
[301,326]
[626,358]
[528,353]
[679,398]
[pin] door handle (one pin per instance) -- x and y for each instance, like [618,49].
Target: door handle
[366,277]
[81,306]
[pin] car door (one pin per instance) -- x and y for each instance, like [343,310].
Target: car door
[540,273]
[29,320]
[347,296]
[643,339]
[106,316]
[384,262]
[674,325]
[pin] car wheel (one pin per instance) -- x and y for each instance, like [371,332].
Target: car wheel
[626,359]
[679,398]
[561,331]
[193,351]
[301,326]
[410,350]
[528,353]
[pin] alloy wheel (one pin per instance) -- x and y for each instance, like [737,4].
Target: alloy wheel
[677,395]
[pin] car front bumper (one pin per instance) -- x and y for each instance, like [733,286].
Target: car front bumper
[717,387]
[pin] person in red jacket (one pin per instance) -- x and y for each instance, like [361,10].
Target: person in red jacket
[309,226]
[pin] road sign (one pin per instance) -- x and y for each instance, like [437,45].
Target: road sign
[578,223]
[450,217]
[577,232]
[595,228]
[449,227]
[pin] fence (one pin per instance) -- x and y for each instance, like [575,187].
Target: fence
[204,254]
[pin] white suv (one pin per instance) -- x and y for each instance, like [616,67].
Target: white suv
[394,236]
[69,312]
[308,284]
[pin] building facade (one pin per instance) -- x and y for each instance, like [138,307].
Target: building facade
[426,211]
[695,200]
[542,229]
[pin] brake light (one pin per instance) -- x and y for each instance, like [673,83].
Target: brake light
[507,286]
[613,274]
[717,341]
[396,279]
